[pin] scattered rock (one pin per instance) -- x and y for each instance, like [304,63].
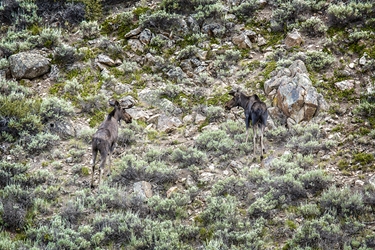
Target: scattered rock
[293,39]
[171,191]
[345,85]
[28,65]
[143,189]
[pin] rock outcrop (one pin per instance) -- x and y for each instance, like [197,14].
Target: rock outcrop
[293,96]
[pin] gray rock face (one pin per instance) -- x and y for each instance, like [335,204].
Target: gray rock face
[293,39]
[293,95]
[28,65]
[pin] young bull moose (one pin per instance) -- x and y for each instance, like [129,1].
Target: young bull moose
[255,109]
[105,138]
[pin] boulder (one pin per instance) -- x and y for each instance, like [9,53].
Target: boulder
[28,65]
[293,95]
[63,128]
[142,189]
[345,85]
[145,36]
[242,41]
[167,123]
[293,39]
[106,60]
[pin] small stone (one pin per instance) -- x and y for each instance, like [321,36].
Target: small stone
[171,191]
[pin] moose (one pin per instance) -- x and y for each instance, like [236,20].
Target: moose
[105,138]
[255,109]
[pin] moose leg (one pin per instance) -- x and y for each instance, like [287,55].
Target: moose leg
[247,121]
[254,138]
[102,165]
[261,140]
[110,158]
[94,153]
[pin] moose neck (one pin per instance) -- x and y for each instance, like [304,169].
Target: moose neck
[244,101]
[115,114]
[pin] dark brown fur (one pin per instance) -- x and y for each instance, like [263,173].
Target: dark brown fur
[255,109]
[105,138]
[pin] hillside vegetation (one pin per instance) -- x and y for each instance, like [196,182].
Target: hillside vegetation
[182,175]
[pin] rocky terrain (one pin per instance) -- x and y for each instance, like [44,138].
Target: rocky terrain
[182,175]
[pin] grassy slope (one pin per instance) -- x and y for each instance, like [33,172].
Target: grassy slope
[292,200]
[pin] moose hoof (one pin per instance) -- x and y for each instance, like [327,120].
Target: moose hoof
[92,186]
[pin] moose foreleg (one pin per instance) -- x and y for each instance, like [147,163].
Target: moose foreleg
[247,121]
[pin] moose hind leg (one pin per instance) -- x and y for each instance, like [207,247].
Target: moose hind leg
[94,153]
[254,139]
[101,167]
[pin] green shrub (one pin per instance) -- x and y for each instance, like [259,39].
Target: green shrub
[16,41]
[232,186]
[323,233]
[65,55]
[49,37]
[211,10]
[93,9]
[363,158]
[23,14]
[246,9]
[263,206]
[111,198]
[19,112]
[365,108]
[318,60]
[234,129]
[309,211]
[126,137]
[55,108]
[119,228]
[56,233]
[9,170]
[170,208]
[73,87]
[188,157]
[314,26]
[187,52]
[220,209]
[278,134]
[308,140]
[119,24]
[343,202]
[72,211]
[130,169]
[315,181]
[214,113]
[15,202]
[216,142]
[343,14]
[37,143]
[287,188]
[90,30]
[161,21]
[179,6]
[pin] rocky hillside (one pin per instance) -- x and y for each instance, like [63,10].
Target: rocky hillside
[183,176]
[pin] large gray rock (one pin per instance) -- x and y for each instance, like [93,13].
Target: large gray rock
[28,65]
[168,123]
[293,95]
[242,41]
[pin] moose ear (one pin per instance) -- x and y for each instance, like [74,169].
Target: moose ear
[114,103]
[232,92]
